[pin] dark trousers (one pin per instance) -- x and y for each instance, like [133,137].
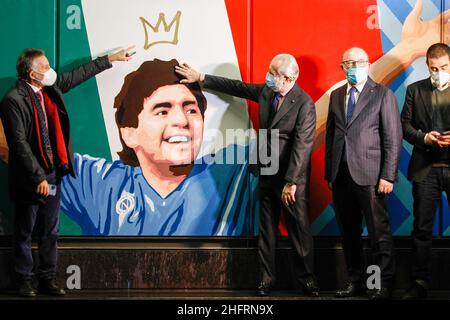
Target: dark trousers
[427,195]
[297,225]
[353,202]
[45,219]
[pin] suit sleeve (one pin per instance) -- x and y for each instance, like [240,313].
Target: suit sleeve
[391,136]
[329,137]
[19,148]
[413,136]
[305,130]
[233,87]
[71,79]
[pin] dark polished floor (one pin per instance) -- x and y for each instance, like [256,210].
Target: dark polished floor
[196,295]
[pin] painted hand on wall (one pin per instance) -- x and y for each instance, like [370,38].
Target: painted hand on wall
[420,35]
[416,37]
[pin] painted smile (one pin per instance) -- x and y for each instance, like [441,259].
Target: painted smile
[178,139]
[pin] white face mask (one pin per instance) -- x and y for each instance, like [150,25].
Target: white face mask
[49,77]
[440,78]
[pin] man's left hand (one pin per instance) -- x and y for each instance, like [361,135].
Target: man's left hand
[121,55]
[288,194]
[385,187]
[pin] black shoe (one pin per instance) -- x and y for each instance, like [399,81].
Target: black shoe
[48,286]
[351,289]
[417,291]
[310,288]
[263,289]
[381,294]
[26,289]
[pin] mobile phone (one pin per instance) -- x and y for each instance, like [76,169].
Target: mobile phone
[51,190]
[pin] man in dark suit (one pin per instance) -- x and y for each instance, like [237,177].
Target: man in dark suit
[363,143]
[425,119]
[36,125]
[287,112]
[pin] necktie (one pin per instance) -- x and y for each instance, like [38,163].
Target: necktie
[350,108]
[40,96]
[275,102]
[274,105]
[43,126]
[351,103]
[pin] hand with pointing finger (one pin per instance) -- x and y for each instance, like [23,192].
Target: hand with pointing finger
[122,55]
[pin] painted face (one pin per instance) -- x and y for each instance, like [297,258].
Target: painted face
[170,127]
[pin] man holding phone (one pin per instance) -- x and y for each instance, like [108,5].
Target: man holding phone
[426,125]
[36,126]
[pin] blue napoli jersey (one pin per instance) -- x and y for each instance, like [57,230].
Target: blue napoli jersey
[114,199]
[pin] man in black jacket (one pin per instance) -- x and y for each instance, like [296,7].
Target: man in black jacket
[426,125]
[36,127]
[287,113]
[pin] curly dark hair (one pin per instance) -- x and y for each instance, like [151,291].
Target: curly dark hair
[139,85]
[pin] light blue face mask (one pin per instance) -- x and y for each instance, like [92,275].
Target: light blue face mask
[271,82]
[356,75]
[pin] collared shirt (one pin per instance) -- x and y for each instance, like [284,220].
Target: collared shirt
[35,89]
[359,88]
[283,97]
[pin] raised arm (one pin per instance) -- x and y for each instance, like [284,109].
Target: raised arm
[232,87]
[71,79]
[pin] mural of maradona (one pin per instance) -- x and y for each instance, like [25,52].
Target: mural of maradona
[159,187]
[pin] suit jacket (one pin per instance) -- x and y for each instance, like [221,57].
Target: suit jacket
[373,137]
[417,120]
[295,121]
[25,169]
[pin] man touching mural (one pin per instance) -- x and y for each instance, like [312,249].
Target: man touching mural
[158,187]
[404,41]
[37,132]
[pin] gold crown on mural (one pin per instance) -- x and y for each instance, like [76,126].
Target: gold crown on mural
[169,31]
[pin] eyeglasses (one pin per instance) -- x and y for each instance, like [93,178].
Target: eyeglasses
[351,63]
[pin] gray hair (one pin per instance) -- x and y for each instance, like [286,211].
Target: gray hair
[288,66]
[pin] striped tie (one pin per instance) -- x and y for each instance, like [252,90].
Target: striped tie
[351,103]
[43,126]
